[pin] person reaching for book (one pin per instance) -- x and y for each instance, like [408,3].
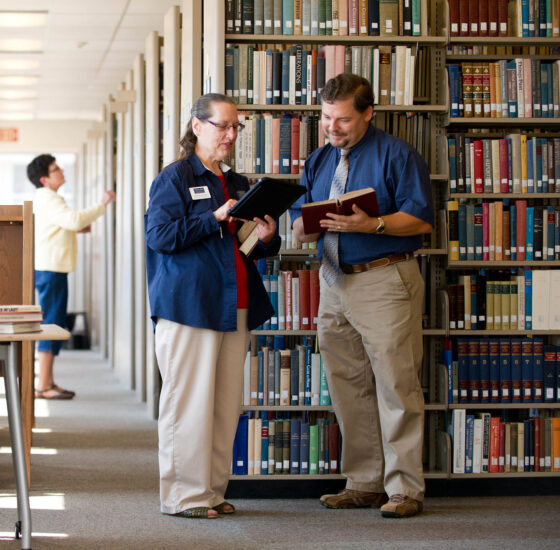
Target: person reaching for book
[56,225]
[205,296]
[371,290]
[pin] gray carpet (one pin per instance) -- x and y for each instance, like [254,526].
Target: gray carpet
[95,486]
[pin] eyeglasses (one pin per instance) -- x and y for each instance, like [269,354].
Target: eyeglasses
[238,127]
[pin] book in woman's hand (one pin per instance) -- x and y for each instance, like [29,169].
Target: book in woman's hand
[313,212]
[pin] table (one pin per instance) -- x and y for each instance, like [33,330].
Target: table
[47,332]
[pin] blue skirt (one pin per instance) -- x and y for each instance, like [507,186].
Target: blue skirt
[53,297]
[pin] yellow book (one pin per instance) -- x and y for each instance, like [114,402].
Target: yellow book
[523,152]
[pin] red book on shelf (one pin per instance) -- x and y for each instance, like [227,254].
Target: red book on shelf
[493,17]
[537,443]
[313,297]
[464,18]
[494,450]
[295,145]
[304,300]
[454,18]
[504,166]
[288,299]
[485,231]
[502,18]
[353,18]
[502,455]
[521,207]
[483,16]
[478,164]
[333,448]
[473,17]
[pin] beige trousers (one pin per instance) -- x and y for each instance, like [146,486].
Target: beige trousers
[370,337]
[202,372]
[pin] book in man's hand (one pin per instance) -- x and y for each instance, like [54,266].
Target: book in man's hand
[268,196]
[313,212]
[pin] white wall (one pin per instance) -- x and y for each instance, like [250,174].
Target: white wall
[47,136]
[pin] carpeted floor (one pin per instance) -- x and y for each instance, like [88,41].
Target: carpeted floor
[95,486]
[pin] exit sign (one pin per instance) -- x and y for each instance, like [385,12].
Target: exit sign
[8,134]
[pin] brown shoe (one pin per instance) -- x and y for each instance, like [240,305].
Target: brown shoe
[401,506]
[348,498]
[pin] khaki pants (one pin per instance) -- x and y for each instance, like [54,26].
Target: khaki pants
[202,372]
[370,337]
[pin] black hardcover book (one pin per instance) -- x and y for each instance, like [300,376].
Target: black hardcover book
[277,78]
[538,234]
[247,13]
[268,196]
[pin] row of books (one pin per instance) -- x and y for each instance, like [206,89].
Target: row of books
[485,444]
[295,298]
[17,319]
[270,143]
[285,377]
[502,370]
[525,18]
[296,75]
[516,163]
[498,230]
[328,17]
[276,144]
[529,300]
[517,88]
[266,445]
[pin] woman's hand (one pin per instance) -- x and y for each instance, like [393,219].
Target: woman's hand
[266,229]
[221,214]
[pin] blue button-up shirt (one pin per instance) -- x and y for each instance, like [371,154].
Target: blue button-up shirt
[190,256]
[400,178]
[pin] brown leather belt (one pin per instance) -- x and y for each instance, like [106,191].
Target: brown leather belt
[380,262]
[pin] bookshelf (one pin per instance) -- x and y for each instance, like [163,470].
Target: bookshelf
[520,396]
[427,109]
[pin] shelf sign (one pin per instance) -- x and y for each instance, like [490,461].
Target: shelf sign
[8,134]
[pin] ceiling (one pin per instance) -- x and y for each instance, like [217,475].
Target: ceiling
[80,52]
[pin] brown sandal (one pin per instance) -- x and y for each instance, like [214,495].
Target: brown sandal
[201,512]
[54,392]
[224,508]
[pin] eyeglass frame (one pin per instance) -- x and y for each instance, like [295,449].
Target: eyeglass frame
[238,126]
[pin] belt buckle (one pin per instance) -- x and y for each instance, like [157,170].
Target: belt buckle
[387,261]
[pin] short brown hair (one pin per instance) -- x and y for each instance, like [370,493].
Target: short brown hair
[346,85]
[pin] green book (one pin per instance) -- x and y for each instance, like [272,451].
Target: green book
[314,449]
[324,396]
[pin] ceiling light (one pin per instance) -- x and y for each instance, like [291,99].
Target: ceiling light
[16,116]
[18,94]
[23,18]
[20,45]
[11,106]
[19,64]
[19,80]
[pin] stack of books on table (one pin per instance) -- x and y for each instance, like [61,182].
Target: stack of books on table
[15,319]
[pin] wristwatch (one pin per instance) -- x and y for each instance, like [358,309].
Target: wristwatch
[380,226]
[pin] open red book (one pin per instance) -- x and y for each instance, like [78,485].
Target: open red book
[313,212]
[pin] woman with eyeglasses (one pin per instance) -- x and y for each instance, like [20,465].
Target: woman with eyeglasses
[205,297]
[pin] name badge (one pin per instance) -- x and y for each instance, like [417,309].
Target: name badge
[198,193]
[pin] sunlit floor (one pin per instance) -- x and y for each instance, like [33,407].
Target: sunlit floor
[95,486]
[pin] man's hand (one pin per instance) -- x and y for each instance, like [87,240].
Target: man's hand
[108,197]
[266,229]
[358,222]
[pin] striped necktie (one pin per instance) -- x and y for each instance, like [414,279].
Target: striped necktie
[330,265]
